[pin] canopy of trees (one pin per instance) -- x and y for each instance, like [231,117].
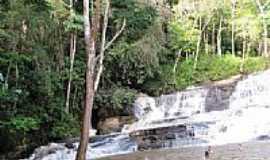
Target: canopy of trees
[164,46]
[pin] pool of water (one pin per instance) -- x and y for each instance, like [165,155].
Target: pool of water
[258,150]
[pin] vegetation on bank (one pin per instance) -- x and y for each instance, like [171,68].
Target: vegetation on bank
[209,68]
[165,47]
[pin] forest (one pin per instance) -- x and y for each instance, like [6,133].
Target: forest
[140,46]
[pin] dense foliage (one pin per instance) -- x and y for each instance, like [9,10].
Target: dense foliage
[209,68]
[166,46]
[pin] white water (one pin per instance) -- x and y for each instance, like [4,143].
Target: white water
[246,116]
[238,115]
[107,146]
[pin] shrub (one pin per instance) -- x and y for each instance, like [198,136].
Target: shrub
[21,124]
[255,64]
[14,131]
[65,128]
[114,101]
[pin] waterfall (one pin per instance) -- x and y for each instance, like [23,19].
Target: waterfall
[233,111]
[229,113]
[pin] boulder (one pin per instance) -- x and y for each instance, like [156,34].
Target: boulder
[163,136]
[113,124]
[43,151]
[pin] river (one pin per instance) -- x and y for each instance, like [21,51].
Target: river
[245,151]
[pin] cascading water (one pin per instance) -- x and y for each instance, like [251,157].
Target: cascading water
[233,112]
[219,114]
[102,146]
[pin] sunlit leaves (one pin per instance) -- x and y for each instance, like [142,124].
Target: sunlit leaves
[21,124]
[59,9]
[248,24]
[74,22]
[183,35]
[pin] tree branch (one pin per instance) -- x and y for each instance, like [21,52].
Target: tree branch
[102,45]
[116,35]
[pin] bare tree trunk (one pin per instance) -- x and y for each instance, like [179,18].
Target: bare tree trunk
[219,37]
[72,51]
[243,55]
[199,41]
[89,83]
[233,25]
[248,49]
[206,42]
[72,57]
[244,46]
[104,46]
[197,52]
[259,49]
[181,9]
[16,85]
[93,71]
[265,39]
[214,38]
[175,66]
[87,113]
[262,11]
[74,97]
[7,76]
[60,54]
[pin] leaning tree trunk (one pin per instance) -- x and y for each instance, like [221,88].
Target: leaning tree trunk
[89,83]
[72,51]
[202,27]
[72,57]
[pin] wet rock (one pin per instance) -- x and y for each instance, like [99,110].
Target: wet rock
[70,145]
[43,151]
[170,136]
[263,138]
[223,129]
[158,137]
[214,96]
[113,124]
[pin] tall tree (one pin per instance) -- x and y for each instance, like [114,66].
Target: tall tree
[219,38]
[93,70]
[233,3]
[89,86]
[72,51]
